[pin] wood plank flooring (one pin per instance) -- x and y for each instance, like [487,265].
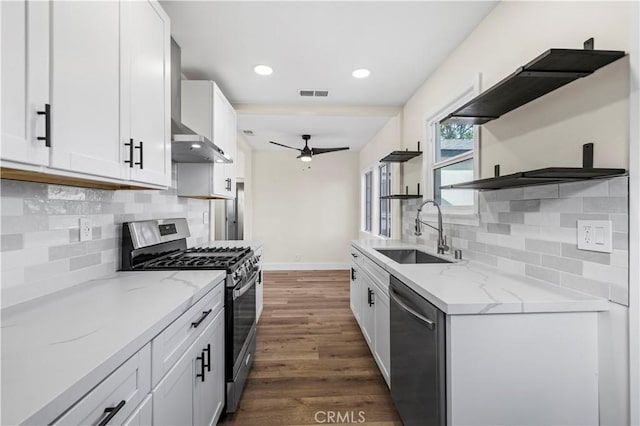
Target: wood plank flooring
[311,358]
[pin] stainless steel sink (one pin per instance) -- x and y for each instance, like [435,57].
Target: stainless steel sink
[411,256]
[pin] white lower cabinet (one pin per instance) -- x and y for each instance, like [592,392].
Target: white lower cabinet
[369,301]
[117,397]
[192,392]
[143,414]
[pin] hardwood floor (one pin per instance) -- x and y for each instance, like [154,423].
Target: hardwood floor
[311,359]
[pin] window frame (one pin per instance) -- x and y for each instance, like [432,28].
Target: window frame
[457,214]
[368,203]
[387,191]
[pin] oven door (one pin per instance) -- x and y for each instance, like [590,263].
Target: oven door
[242,320]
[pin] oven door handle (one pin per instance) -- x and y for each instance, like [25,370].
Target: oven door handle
[242,290]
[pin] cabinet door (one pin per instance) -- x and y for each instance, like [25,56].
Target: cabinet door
[143,414]
[146,110]
[25,80]
[381,340]
[220,138]
[231,136]
[173,397]
[85,88]
[209,394]
[355,293]
[367,322]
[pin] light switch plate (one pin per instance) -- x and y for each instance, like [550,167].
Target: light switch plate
[595,235]
[85,229]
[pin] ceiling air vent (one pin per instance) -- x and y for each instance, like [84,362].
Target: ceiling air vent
[316,93]
[248,132]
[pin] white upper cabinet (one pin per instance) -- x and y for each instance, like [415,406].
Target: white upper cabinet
[207,111]
[85,88]
[103,68]
[25,81]
[146,105]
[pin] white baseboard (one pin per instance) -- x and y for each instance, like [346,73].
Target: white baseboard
[303,266]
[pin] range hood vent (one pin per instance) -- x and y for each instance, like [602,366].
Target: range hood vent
[188,146]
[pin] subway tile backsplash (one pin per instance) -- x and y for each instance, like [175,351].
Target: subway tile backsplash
[40,235]
[532,231]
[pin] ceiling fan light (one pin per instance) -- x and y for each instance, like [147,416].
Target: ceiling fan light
[305,157]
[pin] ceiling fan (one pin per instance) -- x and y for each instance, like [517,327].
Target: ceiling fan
[306,153]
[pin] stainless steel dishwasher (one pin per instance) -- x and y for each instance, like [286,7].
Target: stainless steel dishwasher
[417,357]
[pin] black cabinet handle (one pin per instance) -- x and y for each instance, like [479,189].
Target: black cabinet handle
[195,324]
[354,255]
[353,274]
[208,351]
[201,375]
[370,297]
[112,411]
[139,163]
[130,160]
[47,125]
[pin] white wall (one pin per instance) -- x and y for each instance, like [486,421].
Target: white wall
[305,217]
[388,139]
[593,109]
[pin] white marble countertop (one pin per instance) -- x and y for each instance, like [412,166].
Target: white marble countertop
[255,245]
[469,287]
[57,348]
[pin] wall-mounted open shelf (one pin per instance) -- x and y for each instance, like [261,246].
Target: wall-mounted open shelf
[544,176]
[405,196]
[546,73]
[401,156]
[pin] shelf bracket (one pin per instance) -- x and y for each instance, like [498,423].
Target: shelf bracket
[588,44]
[587,156]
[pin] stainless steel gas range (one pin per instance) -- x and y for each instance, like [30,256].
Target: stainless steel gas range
[162,244]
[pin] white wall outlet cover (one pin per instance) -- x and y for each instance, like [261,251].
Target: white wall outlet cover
[85,229]
[595,235]
[205,217]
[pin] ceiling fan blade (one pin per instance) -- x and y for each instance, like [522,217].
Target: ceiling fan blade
[286,146]
[317,151]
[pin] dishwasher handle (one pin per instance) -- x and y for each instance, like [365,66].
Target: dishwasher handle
[430,324]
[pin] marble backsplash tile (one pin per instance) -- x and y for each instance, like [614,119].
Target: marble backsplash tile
[532,231]
[41,250]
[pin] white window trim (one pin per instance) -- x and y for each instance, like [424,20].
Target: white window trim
[465,215]
[390,209]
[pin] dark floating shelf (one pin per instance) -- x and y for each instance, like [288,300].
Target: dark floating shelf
[400,197]
[546,73]
[544,176]
[401,156]
[537,177]
[405,196]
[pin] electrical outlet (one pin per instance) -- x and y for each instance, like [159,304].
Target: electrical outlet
[85,229]
[595,235]
[205,217]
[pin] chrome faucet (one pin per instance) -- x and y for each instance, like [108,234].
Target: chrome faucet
[442,240]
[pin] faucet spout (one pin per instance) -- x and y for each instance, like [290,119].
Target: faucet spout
[442,240]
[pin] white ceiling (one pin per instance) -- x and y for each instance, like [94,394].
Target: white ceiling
[316,45]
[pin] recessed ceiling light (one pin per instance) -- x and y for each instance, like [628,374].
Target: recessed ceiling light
[196,145]
[263,69]
[361,73]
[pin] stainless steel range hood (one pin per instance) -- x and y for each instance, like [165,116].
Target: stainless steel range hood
[188,146]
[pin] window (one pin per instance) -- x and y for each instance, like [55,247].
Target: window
[454,150]
[452,157]
[385,205]
[368,201]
